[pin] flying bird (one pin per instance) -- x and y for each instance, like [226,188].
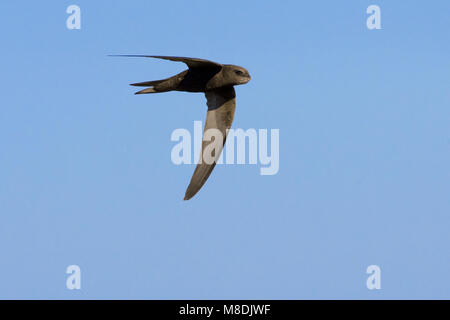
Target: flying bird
[217,81]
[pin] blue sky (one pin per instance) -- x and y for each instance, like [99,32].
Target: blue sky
[86,176]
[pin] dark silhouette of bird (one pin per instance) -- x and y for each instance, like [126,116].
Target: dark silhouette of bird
[217,81]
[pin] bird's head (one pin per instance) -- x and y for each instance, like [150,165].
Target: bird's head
[235,75]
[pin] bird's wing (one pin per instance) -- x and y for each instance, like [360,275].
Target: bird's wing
[191,62]
[221,105]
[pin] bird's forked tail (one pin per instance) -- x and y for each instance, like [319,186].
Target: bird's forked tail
[150,84]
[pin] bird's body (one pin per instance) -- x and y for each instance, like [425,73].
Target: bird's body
[217,81]
[197,79]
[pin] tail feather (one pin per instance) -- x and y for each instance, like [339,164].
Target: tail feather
[147,83]
[148,90]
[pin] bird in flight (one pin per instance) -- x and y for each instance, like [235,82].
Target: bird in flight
[217,81]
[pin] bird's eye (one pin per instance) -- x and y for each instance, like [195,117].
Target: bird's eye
[239,72]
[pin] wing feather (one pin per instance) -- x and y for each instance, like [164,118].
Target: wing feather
[190,62]
[221,106]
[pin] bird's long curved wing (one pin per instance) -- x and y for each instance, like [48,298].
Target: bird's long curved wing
[190,62]
[221,105]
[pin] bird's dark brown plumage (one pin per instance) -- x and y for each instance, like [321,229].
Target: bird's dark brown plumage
[217,81]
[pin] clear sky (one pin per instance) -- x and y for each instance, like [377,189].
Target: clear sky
[86,177]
